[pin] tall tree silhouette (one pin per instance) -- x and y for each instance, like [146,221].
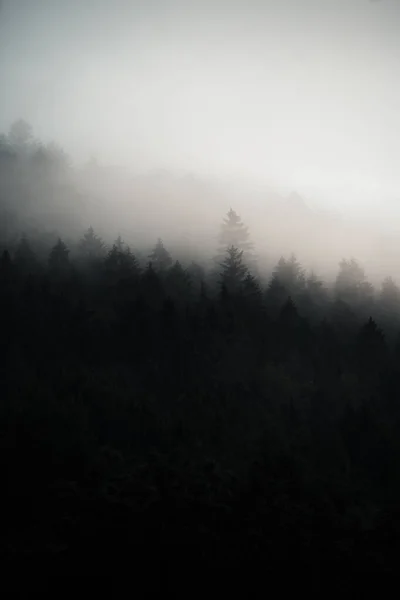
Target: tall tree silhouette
[291,275]
[91,246]
[390,297]
[233,232]
[178,283]
[351,283]
[160,257]
[120,262]
[234,271]
[59,258]
[25,258]
[20,134]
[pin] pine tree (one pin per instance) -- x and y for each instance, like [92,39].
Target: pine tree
[5,262]
[350,281]
[371,347]
[252,290]
[6,269]
[160,257]
[120,262]
[91,245]
[315,287]
[233,232]
[151,287]
[58,258]
[196,274]
[314,298]
[177,282]
[291,275]
[276,295]
[25,259]
[390,297]
[234,271]
[120,245]
[288,315]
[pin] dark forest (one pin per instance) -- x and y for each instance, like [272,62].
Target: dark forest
[219,412]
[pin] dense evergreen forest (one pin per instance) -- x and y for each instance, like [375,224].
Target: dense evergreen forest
[190,411]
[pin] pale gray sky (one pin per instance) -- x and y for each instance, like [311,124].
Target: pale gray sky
[305,93]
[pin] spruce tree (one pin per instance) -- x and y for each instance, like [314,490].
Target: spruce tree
[234,271]
[91,245]
[178,283]
[58,258]
[276,295]
[371,347]
[120,262]
[390,297]
[5,263]
[350,281]
[252,290]
[151,287]
[160,257]
[233,232]
[291,274]
[25,259]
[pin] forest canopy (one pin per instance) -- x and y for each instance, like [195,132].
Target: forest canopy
[217,401]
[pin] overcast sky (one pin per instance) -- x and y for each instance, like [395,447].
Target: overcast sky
[305,93]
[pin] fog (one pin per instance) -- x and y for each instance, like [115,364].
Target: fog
[287,110]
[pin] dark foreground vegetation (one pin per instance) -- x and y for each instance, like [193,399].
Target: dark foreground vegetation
[153,410]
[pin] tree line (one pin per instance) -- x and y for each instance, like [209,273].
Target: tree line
[199,410]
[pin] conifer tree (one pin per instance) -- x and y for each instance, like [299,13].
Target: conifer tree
[251,289]
[390,297]
[5,262]
[160,257]
[25,259]
[196,274]
[288,315]
[91,245]
[120,262]
[151,287]
[291,274]
[234,271]
[371,347]
[351,281]
[58,258]
[178,283]
[276,295]
[233,232]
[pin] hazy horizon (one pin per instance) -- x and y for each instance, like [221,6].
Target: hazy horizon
[300,94]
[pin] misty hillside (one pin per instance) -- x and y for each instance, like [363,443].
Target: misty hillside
[40,187]
[200,296]
[168,384]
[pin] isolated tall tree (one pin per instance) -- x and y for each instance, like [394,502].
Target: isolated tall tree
[160,257]
[234,233]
